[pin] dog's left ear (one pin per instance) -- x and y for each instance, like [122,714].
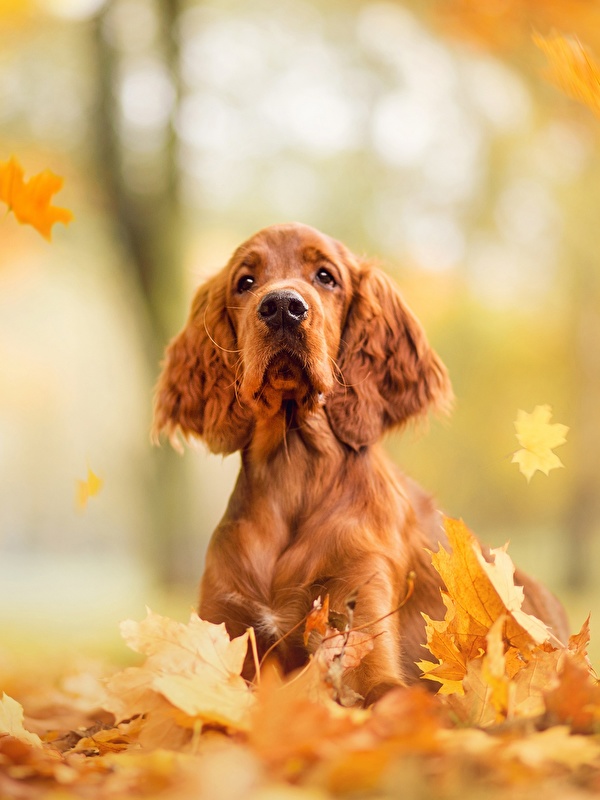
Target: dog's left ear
[389,372]
[196,393]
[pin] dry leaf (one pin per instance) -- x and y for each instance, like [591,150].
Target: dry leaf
[11,722]
[478,593]
[348,649]
[318,618]
[191,676]
[575,701]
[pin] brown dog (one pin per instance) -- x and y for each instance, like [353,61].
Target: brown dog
[301,356]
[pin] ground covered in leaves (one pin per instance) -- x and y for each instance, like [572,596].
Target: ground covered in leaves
[517,712]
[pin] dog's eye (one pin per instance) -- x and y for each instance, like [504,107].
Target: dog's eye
[325,277]
[245,283]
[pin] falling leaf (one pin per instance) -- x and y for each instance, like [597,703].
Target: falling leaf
[86,489]
[538,437]
[30,200]
[572,68]
[11,722]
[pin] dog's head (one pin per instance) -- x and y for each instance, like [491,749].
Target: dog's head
[295,320]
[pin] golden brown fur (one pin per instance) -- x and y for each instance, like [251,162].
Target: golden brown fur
[301,356]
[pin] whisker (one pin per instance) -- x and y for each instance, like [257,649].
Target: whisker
[342,382]
[337,370]
[238,366]
[216,344]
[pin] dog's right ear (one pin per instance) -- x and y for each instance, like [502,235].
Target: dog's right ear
[390,373]
[196,390]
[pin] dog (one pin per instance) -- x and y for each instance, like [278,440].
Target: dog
[301,356]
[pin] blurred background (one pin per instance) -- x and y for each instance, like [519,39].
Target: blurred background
[421,133]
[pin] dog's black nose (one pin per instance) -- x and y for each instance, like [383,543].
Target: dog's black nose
[283,309]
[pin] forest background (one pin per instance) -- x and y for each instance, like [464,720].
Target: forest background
[422,133]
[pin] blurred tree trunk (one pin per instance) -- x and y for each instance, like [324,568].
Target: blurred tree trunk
[149,226]
[583,515]
[583,291]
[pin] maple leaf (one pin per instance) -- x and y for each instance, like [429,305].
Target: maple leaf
[11,722]
[294,722]
[348,649]
[478,594]
[579,642]
[575,700]
[191,676]
[90,487]
[572,68]
[30,200]
[538,437]
[494,670]
[554,745]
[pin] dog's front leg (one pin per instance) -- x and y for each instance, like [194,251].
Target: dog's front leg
[372,621]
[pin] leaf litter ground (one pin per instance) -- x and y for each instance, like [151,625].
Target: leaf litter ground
[516,712]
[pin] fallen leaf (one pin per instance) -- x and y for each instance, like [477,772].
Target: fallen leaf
[11,722]
[348,649]
[191,676]
[556,745]
[295,722]
[575,700]
[494,671]
[478,593]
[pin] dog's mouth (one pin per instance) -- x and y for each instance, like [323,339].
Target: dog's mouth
[287,379]
[285,373]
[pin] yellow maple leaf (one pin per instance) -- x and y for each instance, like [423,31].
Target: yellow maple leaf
[191,676]
[478,593]
[538,437]
[90,487]
[572,68]
[11,722]
[30,200]
[494,671]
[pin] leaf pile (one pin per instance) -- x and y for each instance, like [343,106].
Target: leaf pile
[517,712]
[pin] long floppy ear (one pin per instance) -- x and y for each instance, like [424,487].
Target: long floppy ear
[196,391]
[389,371]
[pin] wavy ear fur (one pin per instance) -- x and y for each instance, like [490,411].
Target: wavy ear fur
[196,391]
[389,371]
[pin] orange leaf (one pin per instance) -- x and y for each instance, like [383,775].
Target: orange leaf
[479,592]
[575,701]
[30,200]
[572,68]
[318,618]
